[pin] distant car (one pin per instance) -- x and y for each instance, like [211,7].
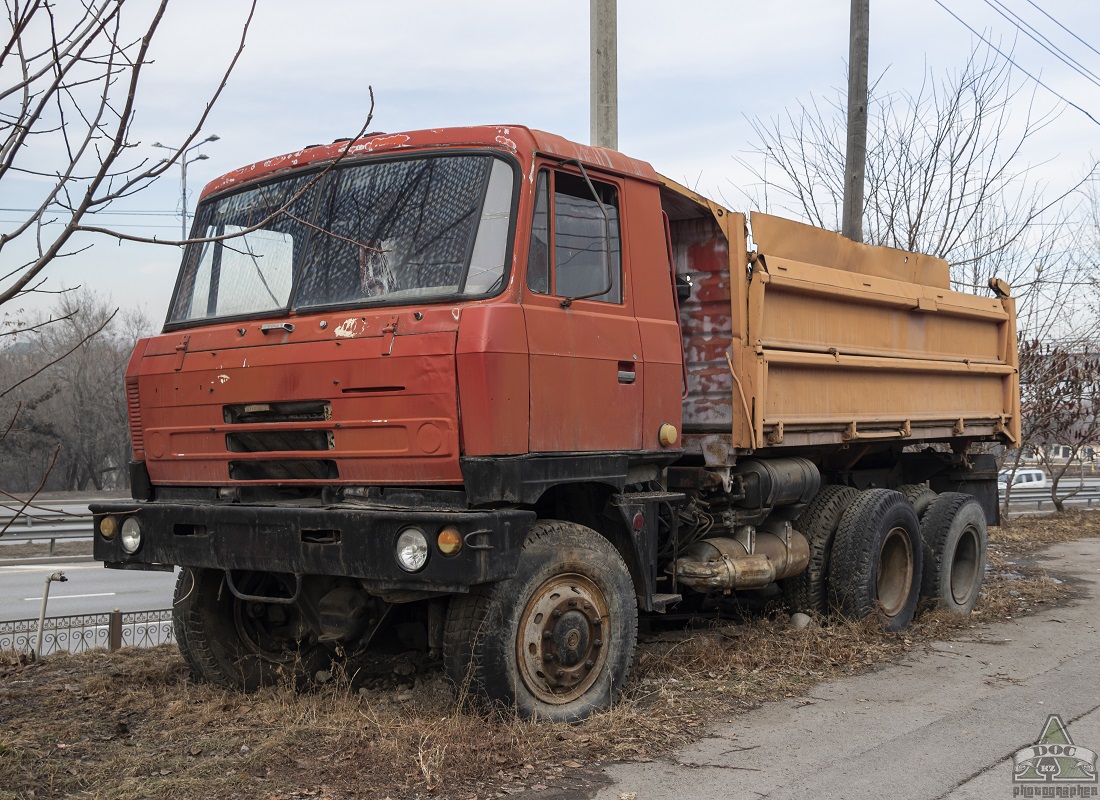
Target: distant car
[1026,478]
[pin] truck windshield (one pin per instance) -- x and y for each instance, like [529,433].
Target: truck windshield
[383,233]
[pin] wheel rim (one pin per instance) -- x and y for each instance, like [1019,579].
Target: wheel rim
[562,641]
[895,571]
[965,566]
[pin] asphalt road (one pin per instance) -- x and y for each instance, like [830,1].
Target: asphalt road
[90,589]
[940,724]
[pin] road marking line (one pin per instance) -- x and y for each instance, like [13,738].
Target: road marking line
[73,596]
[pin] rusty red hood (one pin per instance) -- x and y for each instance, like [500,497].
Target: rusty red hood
[337,397]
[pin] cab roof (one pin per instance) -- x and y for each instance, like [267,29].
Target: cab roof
[517,139]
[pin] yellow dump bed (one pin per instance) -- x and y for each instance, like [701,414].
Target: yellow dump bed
[800,337]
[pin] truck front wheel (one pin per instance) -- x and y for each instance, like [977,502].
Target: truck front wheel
[556,641]
[236,643]
[876,563]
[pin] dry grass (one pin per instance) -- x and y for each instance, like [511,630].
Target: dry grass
[131,725]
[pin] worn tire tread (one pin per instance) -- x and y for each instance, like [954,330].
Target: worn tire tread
[187,616]
[853,562]
[467,617]
[807,592]
[935,528]
[920,496]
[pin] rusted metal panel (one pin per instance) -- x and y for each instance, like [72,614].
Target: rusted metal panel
[576,356]
[820,309]
[784,238]
[388,412]
[517,139]
[493,380]
[701,253]
[877,351]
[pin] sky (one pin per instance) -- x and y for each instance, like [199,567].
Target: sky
[692,75]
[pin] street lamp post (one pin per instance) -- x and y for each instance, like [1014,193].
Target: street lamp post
[184,161]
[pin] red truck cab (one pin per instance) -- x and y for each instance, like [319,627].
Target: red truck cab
[384,359]
[397,327]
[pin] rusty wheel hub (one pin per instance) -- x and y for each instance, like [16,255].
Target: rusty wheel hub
[895,571]
[562,639]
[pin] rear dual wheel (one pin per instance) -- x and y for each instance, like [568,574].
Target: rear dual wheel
[808,590]
[875,569]
[956,538]
[920,495]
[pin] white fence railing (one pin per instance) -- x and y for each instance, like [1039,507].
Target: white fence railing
[79,633]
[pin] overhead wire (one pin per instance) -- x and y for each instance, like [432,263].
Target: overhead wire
[1063,27]
[1013,62]
[1025,28]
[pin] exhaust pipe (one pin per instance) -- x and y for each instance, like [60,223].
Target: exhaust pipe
[724,563]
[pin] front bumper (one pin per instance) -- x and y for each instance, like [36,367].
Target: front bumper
[338,541]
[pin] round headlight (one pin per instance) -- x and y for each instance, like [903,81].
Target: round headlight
[131,535]
[412,549]
[108,527]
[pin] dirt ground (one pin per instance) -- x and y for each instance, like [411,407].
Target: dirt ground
[132,724]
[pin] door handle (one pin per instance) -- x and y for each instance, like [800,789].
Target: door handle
[627,372]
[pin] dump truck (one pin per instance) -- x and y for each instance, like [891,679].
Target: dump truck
[493,394]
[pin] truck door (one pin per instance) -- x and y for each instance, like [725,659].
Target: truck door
[585,349]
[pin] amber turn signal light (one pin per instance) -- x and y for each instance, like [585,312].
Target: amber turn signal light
[449,541]
[108,527]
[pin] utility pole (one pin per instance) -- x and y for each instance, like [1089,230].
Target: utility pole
[604,75]
[856,159]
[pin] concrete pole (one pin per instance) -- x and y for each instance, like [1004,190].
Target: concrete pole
[57,576]
[604,75]
[856,158]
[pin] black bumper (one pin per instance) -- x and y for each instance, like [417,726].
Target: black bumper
[338,541]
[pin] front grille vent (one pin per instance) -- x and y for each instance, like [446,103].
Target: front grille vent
[298,411]
[284,470]
[278,441]
[133,408]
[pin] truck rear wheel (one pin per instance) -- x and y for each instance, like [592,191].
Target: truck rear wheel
[956,538]
[242,644]
[556,641]
[808,591]
[876,562]
[919,495]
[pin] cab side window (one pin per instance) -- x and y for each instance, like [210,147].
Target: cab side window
[584,239]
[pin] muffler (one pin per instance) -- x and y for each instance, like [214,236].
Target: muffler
[760,557]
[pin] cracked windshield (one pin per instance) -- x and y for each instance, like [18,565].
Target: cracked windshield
[375,234]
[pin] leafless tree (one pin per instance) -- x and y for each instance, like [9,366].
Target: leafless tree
[1060,396]
[947,174]
[65,379]
[69,76]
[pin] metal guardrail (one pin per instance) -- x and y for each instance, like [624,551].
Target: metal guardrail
[84,632]
[70,521]
[1031,500]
